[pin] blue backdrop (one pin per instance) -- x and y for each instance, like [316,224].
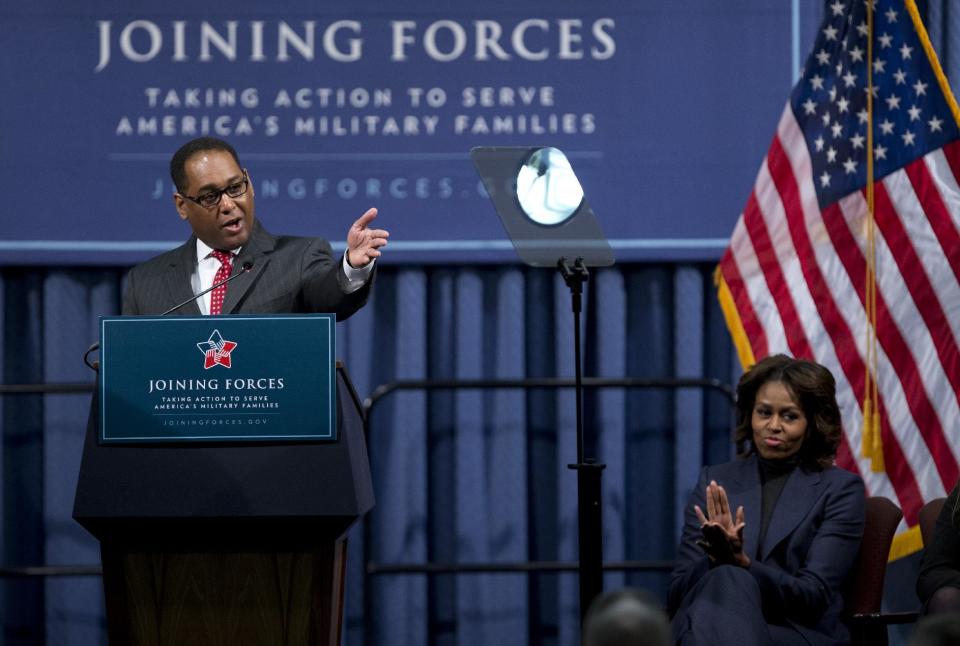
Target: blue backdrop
[663,107]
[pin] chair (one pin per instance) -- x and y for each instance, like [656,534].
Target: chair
[864,592]
[928,518]
[865,586]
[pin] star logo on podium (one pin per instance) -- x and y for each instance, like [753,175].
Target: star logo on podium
[216,351]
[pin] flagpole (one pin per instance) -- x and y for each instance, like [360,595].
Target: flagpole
[871,446]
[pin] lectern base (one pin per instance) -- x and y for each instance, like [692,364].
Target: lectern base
[228,598]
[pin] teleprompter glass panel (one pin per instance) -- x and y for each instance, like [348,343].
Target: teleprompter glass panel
[542,205]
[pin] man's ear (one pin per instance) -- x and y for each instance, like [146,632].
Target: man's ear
[249,181]
[181,205]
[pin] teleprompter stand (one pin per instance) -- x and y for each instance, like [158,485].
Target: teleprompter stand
[541,205]
[589,492]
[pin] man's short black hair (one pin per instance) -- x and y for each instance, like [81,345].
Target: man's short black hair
[626,617]
[178,162]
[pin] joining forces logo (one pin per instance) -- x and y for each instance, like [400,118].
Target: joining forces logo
[216,351]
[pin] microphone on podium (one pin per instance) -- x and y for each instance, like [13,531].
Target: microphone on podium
[247,266]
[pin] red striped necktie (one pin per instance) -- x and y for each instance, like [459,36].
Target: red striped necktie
[217,295]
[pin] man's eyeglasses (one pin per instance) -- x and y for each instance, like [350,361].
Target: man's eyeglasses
[212,198]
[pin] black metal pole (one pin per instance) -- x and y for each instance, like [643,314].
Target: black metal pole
[575,277]
[589,508]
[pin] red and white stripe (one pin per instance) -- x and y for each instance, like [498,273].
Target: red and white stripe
[797,274]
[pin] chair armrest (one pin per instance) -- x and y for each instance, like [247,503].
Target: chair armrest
[885,618]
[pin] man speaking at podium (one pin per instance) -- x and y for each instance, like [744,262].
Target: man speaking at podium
[250,270]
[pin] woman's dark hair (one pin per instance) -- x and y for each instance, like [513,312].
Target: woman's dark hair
[812,387]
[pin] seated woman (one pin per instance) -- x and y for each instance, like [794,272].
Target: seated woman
[938,584]
[771,572]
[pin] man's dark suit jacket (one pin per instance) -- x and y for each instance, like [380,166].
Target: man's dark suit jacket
[289,275]
[811,544]
[940,566]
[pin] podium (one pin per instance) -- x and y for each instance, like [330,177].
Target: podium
[225,543]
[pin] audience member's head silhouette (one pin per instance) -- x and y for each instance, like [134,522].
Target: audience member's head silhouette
[627,617]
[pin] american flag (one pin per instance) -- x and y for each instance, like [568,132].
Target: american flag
[794,277]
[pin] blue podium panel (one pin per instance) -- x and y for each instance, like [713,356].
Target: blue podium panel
[244,378]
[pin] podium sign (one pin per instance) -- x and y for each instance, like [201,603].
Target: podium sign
[217,379]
